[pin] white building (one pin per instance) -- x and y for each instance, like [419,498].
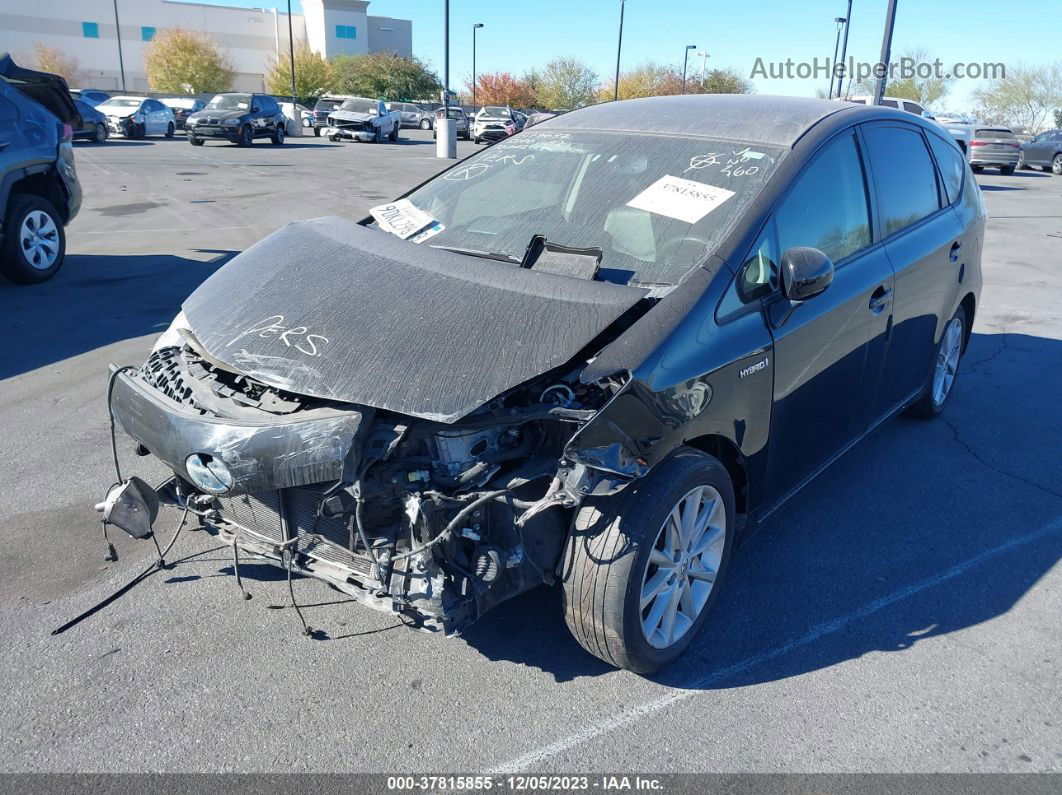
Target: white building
[86,30]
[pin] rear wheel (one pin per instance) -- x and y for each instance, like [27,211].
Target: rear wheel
[101,133]
[1056,165]
[945,369]
[977,169]
[34,244]
[1021,161]
[425,124]
[642,568]
[278,136]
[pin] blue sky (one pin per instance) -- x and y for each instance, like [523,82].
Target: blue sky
[521,34]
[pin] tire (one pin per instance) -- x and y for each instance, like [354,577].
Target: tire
[614,542]
[1056,165]
[31,264]
[425,124]
[977,169]
[1006,171]
[476,141]
[394,134]
[316,132]
[334,139]
[1022,164]
[278,136]
[195,141]
[246,136]
[170,130]
[931,404]
[378,137]
[101,133]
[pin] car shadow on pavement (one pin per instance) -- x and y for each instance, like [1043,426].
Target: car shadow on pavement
[93,301]
[924,529]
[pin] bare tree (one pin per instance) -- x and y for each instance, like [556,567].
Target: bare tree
[1026,97]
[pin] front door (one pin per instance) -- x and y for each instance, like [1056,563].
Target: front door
[822,345]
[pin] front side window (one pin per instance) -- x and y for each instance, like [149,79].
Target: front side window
[951,163]
[904,177]
[827,206]
[656,206]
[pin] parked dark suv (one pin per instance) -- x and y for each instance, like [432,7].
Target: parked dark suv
[650,323]
[39,189]
[238,118]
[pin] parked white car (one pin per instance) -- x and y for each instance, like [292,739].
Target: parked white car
[899,103]
[361,119]
[137,117]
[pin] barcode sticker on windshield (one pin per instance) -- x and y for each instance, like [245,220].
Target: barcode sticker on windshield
[680,198]
[401,218]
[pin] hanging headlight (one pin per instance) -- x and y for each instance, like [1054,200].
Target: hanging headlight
[208,473]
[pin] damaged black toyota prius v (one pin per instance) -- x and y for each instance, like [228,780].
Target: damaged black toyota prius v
[595,354]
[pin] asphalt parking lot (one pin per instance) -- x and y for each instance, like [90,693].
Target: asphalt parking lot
[902,613]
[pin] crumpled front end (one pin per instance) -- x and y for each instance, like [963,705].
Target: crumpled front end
[438,522]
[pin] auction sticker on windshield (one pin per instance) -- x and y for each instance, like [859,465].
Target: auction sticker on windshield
[401,218]
[680,198]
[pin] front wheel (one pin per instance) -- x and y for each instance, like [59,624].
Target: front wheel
[1006,171]
[246,136]
[945,369]
[194,141]
[425,124]
[1056,165]
[977,169]
[316,132]
[642,568]
[101,133]
[394,134]
[170,130]
[34,243]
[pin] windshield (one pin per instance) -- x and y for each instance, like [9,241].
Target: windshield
[359,106]
[230,102]
[496,112]
[123,103]
[654,205]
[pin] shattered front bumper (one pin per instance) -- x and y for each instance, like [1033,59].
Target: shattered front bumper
[278,452]
[365,136]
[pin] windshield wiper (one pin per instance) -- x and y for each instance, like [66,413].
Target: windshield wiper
[472,252]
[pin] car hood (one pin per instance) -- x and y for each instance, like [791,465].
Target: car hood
[221,115]
[339,311]
[49,90]
[121,111]
[350,115]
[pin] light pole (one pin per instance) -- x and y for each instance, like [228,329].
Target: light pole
[685,61]
[445,127]
[844,49]
[291,49]
[118,33]
[703,55]
[886,51]
[619,49]
[474,29]
[836,46]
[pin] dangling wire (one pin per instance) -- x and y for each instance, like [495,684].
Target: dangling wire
[236,568]
[110,417]
[307,630]
[158,565]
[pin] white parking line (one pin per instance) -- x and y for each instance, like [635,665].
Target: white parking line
[614,722]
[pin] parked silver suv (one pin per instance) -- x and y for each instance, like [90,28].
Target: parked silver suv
[989,146]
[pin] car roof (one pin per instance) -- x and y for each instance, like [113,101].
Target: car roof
[128,96]
[780,121]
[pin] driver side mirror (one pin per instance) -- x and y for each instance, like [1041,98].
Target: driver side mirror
[256,109]
[806,272]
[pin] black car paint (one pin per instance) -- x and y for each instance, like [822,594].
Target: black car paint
[260,117]
[90,120]
[1043,149]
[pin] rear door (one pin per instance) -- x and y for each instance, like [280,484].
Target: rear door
[924,241]
[821,346]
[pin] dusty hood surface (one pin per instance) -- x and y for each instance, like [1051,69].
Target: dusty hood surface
[336,310]
[351,116]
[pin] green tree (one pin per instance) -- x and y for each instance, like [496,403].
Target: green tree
[187,62]
[314,75]
[648,79]
[56,62]
[720,81]
[1025,97]
[567,83]
[384,75]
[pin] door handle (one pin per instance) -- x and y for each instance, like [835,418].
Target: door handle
[880,300]
[955,248]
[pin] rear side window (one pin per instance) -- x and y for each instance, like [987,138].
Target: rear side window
[951,163]
[890,103]
[827,206]
[911,107]
[903,175]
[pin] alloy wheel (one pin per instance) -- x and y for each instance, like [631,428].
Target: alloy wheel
[682,566]
[947,361]
[1056,165]
[39,240]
